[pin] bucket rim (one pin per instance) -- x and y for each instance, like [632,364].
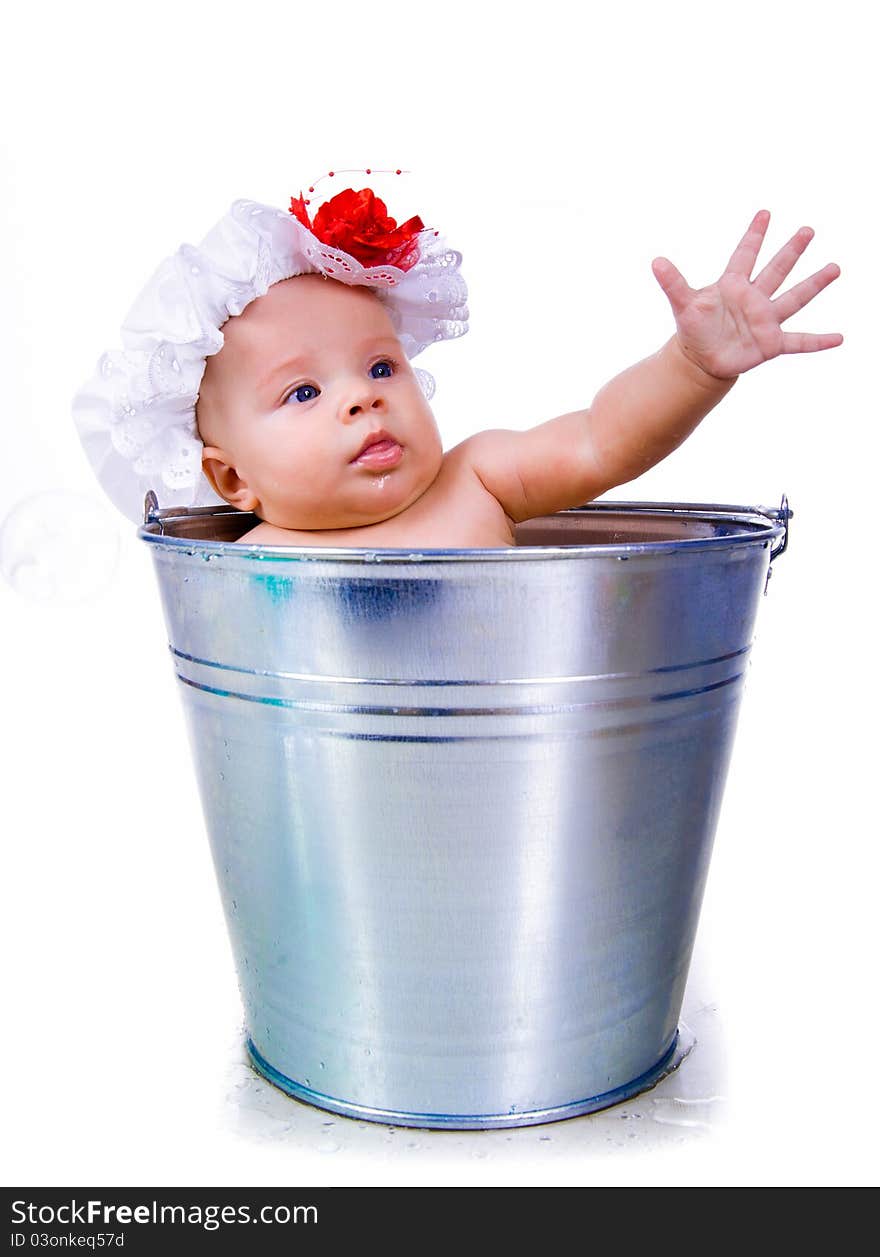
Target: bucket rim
[759,524]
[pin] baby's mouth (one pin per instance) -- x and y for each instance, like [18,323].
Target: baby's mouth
[379,450]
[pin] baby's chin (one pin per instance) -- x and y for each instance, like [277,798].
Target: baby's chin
[293,521]
[336,523]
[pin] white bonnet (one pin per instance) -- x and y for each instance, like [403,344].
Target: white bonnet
[136,416]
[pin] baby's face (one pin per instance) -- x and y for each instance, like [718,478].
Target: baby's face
[306,374]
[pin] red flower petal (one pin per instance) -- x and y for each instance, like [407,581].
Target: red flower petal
[299,211]
[358,223]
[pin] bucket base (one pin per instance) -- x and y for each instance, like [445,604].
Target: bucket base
[681,1046]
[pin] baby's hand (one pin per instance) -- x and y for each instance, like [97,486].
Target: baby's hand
[734,325]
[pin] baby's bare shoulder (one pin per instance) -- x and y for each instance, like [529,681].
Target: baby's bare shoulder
[271,535]
[464,459]
[459,473]
[489,458]
[460,504]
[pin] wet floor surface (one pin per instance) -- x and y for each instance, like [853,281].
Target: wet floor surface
[684,1107]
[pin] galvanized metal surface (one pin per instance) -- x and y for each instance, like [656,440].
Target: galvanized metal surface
[461,803]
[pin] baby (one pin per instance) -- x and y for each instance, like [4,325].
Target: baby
[309,414]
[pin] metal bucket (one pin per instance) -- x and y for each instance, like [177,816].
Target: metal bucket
[461,803]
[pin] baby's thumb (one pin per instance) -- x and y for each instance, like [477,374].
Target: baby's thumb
[672,282]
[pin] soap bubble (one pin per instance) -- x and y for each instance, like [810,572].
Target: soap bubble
[57,546]
[427,383]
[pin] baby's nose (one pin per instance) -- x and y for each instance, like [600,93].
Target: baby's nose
[361,402]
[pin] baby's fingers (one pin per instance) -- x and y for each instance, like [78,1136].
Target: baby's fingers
[745,254]
[809,342]
[672,282]
[783,263]
[804,292]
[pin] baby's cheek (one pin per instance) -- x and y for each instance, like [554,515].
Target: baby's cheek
[297,482]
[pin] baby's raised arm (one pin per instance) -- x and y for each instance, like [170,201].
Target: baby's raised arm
[647,411]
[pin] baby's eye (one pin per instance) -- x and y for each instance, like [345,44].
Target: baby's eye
[303,393]
[381,370]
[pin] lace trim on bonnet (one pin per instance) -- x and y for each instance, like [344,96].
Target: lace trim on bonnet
[136,416]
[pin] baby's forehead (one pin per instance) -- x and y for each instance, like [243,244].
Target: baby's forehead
[310,312]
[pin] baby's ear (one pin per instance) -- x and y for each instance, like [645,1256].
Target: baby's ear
[225,480]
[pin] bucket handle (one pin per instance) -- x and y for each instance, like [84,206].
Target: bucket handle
[781,514]
[152,514]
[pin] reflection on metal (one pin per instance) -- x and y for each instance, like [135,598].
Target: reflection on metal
[461,802]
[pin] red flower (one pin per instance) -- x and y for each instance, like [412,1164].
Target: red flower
[358,224]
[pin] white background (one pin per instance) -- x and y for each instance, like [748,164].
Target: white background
[560,153]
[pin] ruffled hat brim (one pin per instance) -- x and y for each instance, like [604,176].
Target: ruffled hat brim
[136,415]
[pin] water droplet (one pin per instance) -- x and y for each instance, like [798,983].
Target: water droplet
[678,1111]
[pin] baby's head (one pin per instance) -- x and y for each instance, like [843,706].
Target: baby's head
[255,367]
[307,375]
